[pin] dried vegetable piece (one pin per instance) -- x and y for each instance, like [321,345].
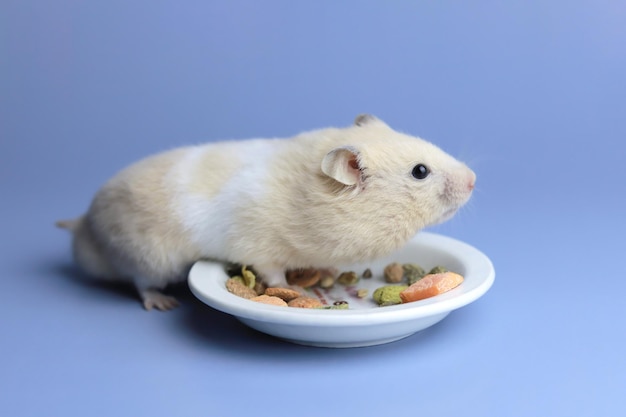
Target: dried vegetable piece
[388,295]
[249,278]
[431,285]
[413,273]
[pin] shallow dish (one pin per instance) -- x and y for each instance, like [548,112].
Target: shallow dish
[365,323]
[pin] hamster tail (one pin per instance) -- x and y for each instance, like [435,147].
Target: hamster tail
[68,224]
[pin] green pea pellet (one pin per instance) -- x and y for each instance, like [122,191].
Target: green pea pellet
[389,295]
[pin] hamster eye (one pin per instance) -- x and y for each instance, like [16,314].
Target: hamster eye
[420,171]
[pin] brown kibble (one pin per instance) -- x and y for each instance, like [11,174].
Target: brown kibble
[259,287]
[237,287]
[305,302]
[303,277]
[267,299]
[394,273]
[286,294]
[348,278]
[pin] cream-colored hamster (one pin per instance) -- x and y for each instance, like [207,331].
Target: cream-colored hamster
[322,198]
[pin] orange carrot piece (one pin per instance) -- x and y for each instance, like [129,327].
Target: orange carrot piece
[431,285]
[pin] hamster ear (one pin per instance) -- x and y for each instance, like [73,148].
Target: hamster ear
[366,119]
[342,165]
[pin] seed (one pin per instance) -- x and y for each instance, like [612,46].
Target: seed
[393,273]
[327,282]
[348,278]
[362,292]
[367,273]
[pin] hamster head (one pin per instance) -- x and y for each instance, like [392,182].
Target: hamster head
[338,196]
[399,180]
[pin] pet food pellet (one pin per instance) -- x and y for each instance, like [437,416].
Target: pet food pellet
[305,302]
[362,292]
[348,278]
[236,286]
[303,277]
[431,285]
[393,273]
[266,299]
[327,282]
[388,295]
[413,273]
[286,294]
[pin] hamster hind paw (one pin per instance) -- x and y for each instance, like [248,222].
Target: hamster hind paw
[155,299]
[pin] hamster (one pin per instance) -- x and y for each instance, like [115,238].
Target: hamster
[322,198]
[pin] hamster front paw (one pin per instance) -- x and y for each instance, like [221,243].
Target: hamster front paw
[272,276]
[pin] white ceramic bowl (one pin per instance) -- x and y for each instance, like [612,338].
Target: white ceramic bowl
[365,323]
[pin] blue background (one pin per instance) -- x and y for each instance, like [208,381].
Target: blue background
[531,94]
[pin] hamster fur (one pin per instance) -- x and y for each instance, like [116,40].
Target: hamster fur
[320,199]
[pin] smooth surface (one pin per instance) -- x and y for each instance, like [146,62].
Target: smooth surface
[531,94]
[364,323]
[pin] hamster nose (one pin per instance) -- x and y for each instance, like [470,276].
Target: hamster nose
[472,181]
